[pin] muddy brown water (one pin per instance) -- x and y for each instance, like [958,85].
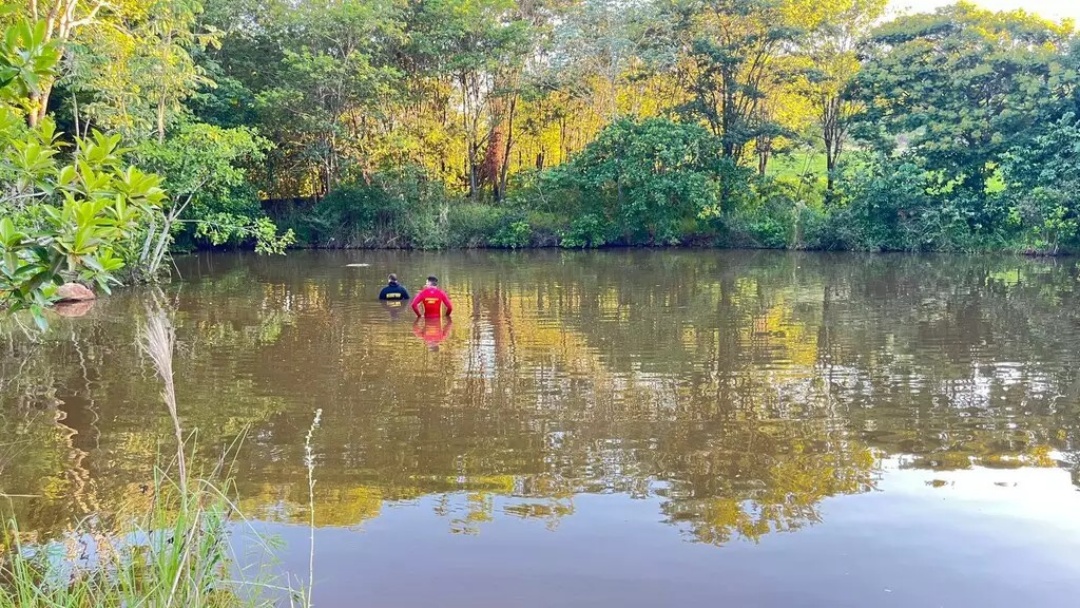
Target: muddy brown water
[617,428]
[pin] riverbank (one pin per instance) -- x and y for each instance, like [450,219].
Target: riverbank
[396,215]
[513,231]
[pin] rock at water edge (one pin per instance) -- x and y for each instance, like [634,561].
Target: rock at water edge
[73,292]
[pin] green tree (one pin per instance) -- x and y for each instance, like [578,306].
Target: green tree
[639,181]
[62,19]
[209,193]
[1043,187]
[334,75]
[724,52]
[64,218]
[475,48]
[959,87]
[833,29]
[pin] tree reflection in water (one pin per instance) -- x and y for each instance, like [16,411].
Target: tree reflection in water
[740,389]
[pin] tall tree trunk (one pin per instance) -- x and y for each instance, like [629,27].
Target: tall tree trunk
[830,174]
[833,133]
[471,162]
[764,150]
[562,140]
[493,162]
[505,170]
[61,20]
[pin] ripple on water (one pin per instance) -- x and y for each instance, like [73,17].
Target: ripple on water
[845,424]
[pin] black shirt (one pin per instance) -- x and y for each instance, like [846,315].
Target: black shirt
[394,291]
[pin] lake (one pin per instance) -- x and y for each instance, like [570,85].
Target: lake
[614,428]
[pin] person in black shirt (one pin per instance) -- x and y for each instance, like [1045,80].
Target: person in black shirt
[394,290]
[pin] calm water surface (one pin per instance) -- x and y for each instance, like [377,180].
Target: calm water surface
[625,428]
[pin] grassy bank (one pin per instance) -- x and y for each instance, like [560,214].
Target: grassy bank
[168,544]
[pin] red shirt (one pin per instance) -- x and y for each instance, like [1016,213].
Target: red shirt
[433,299]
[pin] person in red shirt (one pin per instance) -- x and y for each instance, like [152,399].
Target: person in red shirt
[432,299]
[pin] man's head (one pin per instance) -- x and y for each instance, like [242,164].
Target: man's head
[392,278]
[432,281]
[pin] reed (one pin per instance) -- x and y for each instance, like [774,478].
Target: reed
[168,548]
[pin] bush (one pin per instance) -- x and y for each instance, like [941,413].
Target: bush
[884,205]
[587,231]
[638,181]
[546,228]
[473,224]
[516,234]
[399,209]
[361,215]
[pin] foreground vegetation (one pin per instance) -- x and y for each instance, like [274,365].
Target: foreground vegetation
[169,545]
[133,128]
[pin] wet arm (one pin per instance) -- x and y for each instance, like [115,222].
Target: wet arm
[416,304]
[446,302]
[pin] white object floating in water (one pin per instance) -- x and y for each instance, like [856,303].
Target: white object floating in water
[357,265]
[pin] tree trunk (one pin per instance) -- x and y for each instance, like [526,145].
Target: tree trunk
[832,133]
[161,120]
[764,149]
[493,161]
[505,170]
[830,172]
[562,139]
[470,161]
[61,21]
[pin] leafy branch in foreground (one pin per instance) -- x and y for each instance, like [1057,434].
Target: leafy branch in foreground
[70,219]
[76,210]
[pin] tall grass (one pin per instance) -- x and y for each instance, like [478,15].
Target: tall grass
[169,546]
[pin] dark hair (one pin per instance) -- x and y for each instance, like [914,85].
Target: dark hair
[433,280]
[392,278]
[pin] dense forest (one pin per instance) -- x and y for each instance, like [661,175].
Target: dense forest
[133,128]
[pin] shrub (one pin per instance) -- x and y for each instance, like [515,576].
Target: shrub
[547,228]
[587,231]
[514,235]
[402,208]
[474,224]
[638,181]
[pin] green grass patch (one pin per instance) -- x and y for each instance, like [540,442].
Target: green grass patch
[796,165]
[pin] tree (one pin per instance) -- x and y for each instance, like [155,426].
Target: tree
[1043,187]
[638,181]
[167,38]
[61,19]
[833,29]
[203,165]
[961,86]
[61,220]
[723,52]
[603,40]
[336,70]
[136,74]
[475,48]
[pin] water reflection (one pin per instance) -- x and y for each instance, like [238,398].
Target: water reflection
[394,309]
[736,391]
[432,330]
